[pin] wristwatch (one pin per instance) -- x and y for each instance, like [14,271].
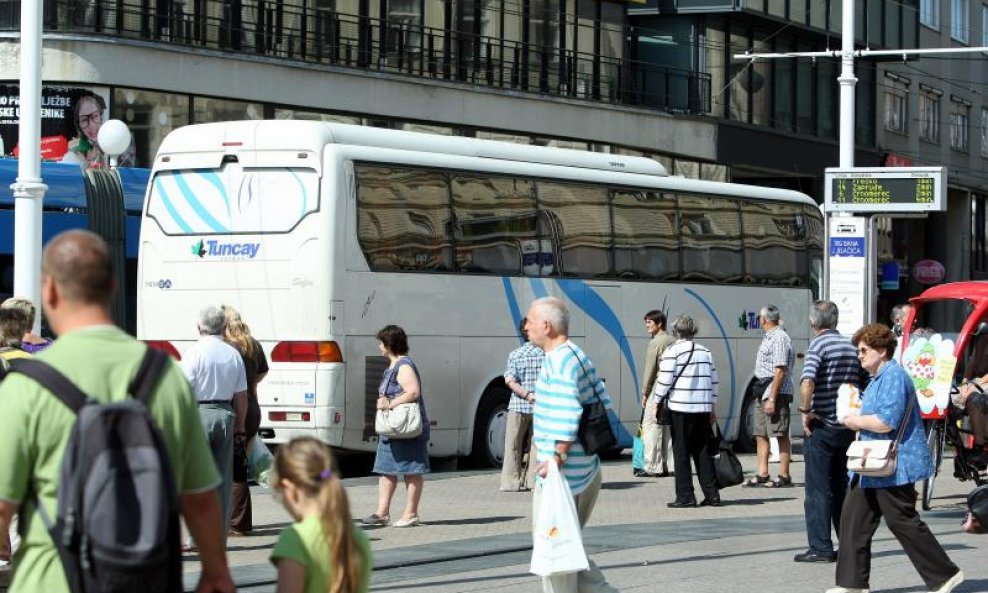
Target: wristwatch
[805,410]
[562,457]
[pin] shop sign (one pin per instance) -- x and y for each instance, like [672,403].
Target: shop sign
[928,271]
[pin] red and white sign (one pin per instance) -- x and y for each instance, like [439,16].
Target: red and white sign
[928,271]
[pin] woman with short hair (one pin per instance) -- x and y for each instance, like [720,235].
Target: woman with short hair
[688,380]
[884,404]
[409,458]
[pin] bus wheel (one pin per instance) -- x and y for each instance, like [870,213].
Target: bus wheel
[489,427]
[745,442]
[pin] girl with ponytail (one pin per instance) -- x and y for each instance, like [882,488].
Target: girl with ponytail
[322,552]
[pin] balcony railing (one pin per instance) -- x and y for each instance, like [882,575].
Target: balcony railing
[265,27]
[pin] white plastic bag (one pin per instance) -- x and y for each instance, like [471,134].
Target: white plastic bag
[259,459]
[557,545]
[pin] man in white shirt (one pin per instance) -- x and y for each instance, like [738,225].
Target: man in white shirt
[219,382]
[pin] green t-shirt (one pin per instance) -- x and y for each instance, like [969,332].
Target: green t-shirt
[305,543]
[35,425]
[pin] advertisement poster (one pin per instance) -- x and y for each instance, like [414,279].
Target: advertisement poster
[71,118]
[931,362]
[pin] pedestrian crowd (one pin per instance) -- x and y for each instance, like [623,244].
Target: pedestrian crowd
[206,419]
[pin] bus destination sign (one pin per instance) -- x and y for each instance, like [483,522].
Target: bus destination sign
[881,190]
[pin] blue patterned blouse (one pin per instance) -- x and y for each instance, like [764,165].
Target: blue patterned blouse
[887,397]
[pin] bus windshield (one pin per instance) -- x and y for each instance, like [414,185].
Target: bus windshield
[232,200]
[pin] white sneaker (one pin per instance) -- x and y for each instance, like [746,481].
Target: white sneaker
[947,587]
[846,590]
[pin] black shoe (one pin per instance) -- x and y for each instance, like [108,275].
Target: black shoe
[711,502]
[811,556]
[639,473]
[682,504]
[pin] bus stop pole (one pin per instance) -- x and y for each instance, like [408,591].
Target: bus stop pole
[29,191]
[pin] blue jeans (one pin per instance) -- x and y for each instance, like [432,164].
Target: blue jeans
[217,423]
[825,456]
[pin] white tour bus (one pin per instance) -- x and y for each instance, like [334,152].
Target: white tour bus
[321,234]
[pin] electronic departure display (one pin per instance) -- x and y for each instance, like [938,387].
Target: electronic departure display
[885,190]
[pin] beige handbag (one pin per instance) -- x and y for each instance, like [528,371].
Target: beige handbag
[878,459]
[404,421]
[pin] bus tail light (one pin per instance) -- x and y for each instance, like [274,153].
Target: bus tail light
[165,346]
[306,352]
[289,416]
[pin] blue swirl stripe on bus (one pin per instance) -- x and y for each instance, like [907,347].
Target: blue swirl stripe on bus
[509,294]
[160,188]
[730,356]
[538,288]
[190,199]
[305,195]
[213,179]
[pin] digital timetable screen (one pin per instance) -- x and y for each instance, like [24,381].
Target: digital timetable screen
[885,190]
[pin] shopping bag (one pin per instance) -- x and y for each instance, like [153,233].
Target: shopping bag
[727,468]
[557,545]
[638,447]
[259,460]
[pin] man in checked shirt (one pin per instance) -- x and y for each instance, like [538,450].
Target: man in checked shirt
[520,375]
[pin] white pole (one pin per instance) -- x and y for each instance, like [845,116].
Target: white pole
[847,81]
[29,191]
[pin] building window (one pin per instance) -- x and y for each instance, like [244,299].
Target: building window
[960,118]
[929,115]
[984,132]
[150,115]
[897,108]
[929,13]
[960,20]
[984,27]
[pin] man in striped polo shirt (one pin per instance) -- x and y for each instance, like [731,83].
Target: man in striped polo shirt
[831,361]
[566,381]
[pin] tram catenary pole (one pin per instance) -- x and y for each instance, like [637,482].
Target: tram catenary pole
[846,80]
[29,191]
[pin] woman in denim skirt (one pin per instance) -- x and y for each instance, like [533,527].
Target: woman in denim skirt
[406,457]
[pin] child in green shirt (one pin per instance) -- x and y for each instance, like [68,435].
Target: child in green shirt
[322,552]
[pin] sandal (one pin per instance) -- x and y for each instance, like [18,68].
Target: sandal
[780,482]
[756,482]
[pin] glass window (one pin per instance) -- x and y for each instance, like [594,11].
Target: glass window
[403,218]
[232,200]
[783,88]
[929,13]
[646,242]
[495,226]
[579,226]
[826,92]
[504,137]
[760,86]
[818,13]
[774,244]
[929,116]
[960,118]
[960,20]
[150,116]
[711,238]
[984,26]
[212,110]
[686,168]
[280,113]
[739,79]
[896,110]
[984,132]
[713,172]
[805,118]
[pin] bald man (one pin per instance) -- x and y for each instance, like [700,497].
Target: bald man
[77,283]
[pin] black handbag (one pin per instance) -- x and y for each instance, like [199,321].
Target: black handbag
[727,468]
[663,415]
[595,432]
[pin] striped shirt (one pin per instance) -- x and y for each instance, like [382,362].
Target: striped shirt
[523,366]
[775,351]
[695,389]
[562,389]
[831,361]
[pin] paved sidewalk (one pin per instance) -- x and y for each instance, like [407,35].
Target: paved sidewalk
[474,537]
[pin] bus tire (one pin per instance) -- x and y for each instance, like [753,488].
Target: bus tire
[489,427]
[745,442]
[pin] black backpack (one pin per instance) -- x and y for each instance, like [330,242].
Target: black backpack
[117,527]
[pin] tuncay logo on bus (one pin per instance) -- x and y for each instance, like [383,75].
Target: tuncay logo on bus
[749,320]
[224,249]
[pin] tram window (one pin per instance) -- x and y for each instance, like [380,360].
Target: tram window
[494,224]
[646,239]
[711,238]
[583,236]
[774,244]
[403,217]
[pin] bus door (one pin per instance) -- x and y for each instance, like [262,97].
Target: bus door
[604,336]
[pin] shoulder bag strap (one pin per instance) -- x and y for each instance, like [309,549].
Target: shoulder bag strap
[593,385]
[682,370]
[52,380]
[905,420]
[152,366]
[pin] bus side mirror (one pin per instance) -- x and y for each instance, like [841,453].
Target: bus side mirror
[982,329]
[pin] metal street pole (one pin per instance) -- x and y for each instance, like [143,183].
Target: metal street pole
[29,191]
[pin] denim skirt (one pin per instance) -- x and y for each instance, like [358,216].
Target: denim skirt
[402,456]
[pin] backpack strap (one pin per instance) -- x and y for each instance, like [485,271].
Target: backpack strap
[152,366]
[52,380]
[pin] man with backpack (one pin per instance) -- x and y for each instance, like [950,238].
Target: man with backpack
[98,402]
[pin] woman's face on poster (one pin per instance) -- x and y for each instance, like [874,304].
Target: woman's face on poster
[89,118]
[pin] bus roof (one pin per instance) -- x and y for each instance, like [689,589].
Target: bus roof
[311,136]
[66,188]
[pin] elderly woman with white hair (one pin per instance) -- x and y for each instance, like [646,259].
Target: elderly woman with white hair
[687,386]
